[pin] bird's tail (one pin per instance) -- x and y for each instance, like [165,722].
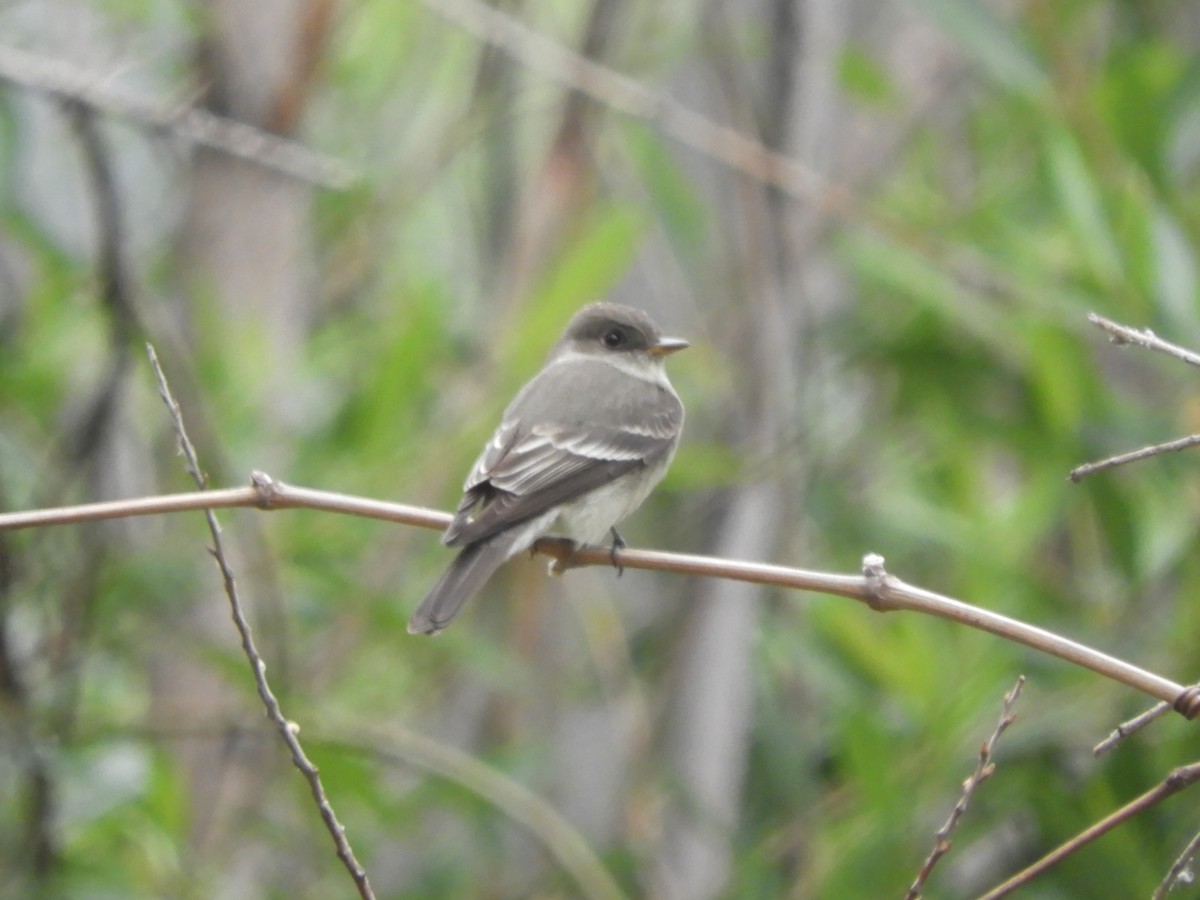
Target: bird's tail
[471,568]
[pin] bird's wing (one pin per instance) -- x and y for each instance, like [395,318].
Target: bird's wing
[521,475]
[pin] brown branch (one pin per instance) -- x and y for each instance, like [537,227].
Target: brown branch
[288,730]
[983,771]
[875,587]
[1176,781]
[264,493]
[62,79]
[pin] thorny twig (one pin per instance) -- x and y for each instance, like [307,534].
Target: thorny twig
[983,771]
[288,730]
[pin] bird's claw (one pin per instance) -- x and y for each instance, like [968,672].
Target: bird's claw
[618,543]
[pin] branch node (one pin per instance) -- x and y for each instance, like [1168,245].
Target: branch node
[267,490]
[876,576]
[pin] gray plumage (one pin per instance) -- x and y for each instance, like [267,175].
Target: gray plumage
[580,447]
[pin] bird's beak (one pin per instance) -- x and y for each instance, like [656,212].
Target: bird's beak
[668,345]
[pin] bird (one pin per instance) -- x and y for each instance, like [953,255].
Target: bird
[578,449]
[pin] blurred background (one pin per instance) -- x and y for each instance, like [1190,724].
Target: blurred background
[890,354]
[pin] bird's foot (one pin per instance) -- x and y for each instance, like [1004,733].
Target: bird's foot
[618,543]
[562,550]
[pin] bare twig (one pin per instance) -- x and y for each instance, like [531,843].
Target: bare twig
[64,80]
[875,587]
[288,730]
[1132,726]
[1123,334]
[983,771]
[264,493]
[396,746]
[1176,781]
[1180,869]
[1081,472]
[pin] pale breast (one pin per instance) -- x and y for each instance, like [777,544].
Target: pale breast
[589,518]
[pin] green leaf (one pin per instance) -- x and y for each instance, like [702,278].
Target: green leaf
[674,196]
[865,79]
[1080,203]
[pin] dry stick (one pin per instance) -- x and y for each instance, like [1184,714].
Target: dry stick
[1176,781]
[1132,726]
[1123,334]
[1179,869]
[983,771]
[264,493]
[287,729]
[875,587]
[62,79]
[1080,472]
[396,746]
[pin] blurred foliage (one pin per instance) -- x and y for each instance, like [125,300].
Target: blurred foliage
[1060,173]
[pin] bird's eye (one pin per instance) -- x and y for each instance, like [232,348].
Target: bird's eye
[614,338]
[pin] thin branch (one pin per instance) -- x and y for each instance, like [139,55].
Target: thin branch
[62,79]
[1180,870]
[875,587]
[264,493]
[983,771]
[1123,334]
[1081,472]
[288,730]
[396,746]
[1132,726]
[1176,781]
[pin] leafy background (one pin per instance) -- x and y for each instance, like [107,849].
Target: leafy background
[909,373]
